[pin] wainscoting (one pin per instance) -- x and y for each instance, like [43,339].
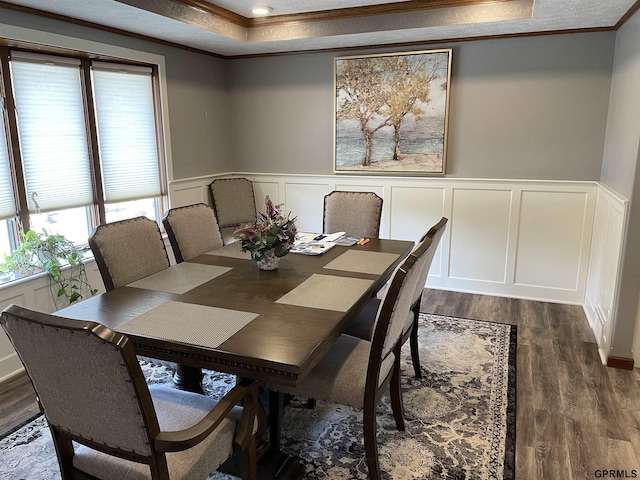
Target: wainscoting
[525,239]
[32,292]
[539,240]
[604,266]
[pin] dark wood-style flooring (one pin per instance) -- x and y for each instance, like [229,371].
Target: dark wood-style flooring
[576,418]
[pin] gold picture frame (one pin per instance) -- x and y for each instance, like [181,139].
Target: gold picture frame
[391,113]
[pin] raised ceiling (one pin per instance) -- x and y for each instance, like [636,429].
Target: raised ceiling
[228,28]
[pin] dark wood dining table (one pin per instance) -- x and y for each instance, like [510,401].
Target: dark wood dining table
[218,311]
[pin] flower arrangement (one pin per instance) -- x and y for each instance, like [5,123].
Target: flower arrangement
[272,232]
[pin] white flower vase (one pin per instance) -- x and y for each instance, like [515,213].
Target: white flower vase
[269,261]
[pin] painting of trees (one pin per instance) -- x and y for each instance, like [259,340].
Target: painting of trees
[391,112]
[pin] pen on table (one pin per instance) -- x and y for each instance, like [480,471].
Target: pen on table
[363,241]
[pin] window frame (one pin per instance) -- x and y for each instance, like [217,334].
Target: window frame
[97,209]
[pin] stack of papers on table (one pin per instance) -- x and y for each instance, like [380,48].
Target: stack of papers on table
[315,243]
[347,241]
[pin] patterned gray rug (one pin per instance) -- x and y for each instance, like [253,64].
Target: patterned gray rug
[460,417]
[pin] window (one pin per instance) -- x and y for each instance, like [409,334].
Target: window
[126,131]
[5,244]
[7,207]
[52,134]
[85,141]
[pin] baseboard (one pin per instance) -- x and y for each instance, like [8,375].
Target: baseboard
[16,377]
[10,365]
[622,363]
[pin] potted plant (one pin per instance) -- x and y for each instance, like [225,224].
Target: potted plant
[58,257]
[270,238]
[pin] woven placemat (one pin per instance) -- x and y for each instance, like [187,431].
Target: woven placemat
[327,292]
[180,278]
[361,261]
[189,323]
[232,250]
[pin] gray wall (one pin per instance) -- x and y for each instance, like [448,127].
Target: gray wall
[531,107]
[620,171]
[196,91]
[520,108]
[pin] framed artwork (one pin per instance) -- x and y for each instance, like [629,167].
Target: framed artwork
[391,113]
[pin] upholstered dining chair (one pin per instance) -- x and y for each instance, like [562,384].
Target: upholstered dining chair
[131,249]
[363,325]
[192,230]
[121,427]
[128,250]
[234,203]
[357,372]
[355,213]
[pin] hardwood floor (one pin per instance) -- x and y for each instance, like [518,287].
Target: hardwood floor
[576,418]
[17,402]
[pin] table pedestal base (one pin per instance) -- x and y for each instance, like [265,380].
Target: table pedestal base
[273,464]
[188,378]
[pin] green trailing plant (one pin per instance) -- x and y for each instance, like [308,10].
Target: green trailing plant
[58,257]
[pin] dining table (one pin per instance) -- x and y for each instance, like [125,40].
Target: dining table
[219,311]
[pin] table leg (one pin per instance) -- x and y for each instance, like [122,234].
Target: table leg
[276,405]
[272,463]
[188,378]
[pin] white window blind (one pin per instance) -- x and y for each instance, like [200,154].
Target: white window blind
[125,116]
[7,207]
[51,126]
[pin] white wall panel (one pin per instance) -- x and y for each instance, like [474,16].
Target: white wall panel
[32,293]
[604,267]
[262,189]
[188,196]
[414,210]
[594,279]
[9,362]
[608,286]
[550,237]
[479,232]
[305,201]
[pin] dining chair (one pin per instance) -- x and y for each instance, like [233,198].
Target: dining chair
[192,230]
[128,250]
[234,204]
[355,213]
[121,427]
[362,326]
[357,372]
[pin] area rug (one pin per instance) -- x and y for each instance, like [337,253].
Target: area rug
[460,417]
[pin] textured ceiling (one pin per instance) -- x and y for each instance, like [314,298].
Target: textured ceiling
[228,28]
